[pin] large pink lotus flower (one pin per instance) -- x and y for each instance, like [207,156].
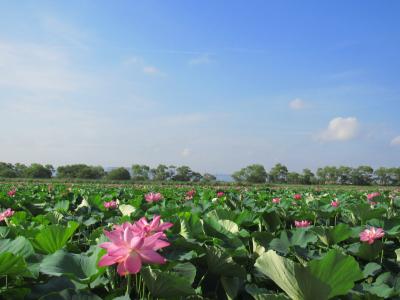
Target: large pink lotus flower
[297,197]
[110,204]
[131,245]
[153,197]
[6,214]
[335,203]
[371,234]
[11,192]
[276,200]
[302,224]
[220,194]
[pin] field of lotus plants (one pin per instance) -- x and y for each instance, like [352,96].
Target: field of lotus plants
[92,241]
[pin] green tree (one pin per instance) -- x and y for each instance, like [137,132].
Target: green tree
[7,170]
[38,171]
[119,174]
[183,173]
[253,174]
[80,171]
[383,176]
[278,174]
[327,175]
[140,172]
[363,175]
[160,173]
[308,177]
[207,177]
[344,175]
[294,178]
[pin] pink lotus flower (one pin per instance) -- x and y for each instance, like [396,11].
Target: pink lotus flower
[146,228]
[297,196]
[111,204]
[371,196]
[302,224]
[220,194]
[131,245]
[11,192]
[153,197]
[6,214]
[371,234]
[335,203]
[190,194]
[276,200]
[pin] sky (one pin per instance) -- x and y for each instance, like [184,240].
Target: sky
[216,85]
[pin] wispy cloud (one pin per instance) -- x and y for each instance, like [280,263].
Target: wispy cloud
[37,68]
[185,152]
[297,104]
[202,59]
[150,70]
[140,63]
[395,141]
[340,129]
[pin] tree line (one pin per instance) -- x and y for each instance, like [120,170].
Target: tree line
[256,173]
[344,175]
[82,171]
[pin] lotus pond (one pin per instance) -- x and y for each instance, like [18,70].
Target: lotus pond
[92,241]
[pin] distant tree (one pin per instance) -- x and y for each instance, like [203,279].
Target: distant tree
[278,174]
[207,177]
[38,171]
[196,177]
[395,176]
[344,175]
[119,174]
[140,172]
[383,176]
[253,174]
[80,171]
[160,173]
[327,175]
[294,178]
[363,175]
[308,177]
[20,169]
[183,173]
[7,170]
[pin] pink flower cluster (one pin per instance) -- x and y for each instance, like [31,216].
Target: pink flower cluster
[111,204]
[6,214]
[302,224]
[132,245]
[153,197]
[372,196]
[11,192]
[335,203]
[297,197]
[276,200]
[190,194]
[371,234]
[220,194]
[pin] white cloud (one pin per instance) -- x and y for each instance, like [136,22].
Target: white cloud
[185,152]
[203,59]
[395,141]
[150,70]
[340,129]
[297,104]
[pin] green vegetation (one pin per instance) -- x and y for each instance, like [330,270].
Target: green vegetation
[225,242]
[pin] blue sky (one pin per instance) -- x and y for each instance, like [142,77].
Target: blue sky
[215,85]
